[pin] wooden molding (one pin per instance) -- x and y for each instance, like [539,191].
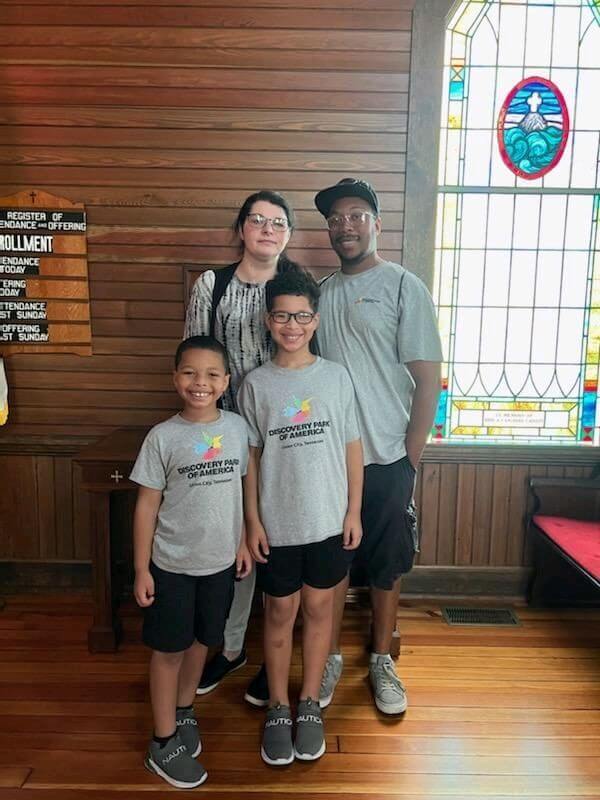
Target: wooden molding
[44,575]
[458,583]
[421,582]
[434,453]
[44,445]
[568,455]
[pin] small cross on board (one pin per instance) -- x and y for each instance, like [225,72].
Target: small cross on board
[116,476]
[33,195]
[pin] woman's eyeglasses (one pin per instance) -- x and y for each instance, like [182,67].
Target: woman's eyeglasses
[283,317]
[259,221]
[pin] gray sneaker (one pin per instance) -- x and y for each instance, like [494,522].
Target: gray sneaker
[277,749]
[174,764]
[310,736]
[331,676]
[390,694]
[187,728]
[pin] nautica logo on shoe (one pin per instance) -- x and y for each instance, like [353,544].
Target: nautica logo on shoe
[181,749]
[279,721]
[310,718]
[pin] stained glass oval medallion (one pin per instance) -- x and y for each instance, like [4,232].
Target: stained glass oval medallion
[533,126]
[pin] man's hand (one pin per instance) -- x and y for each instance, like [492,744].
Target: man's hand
[414,453]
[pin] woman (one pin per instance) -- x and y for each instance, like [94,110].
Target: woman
[264,225]
[230,304]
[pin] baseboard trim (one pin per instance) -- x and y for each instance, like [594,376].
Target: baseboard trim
[31,576]
[451,582]
[423,582]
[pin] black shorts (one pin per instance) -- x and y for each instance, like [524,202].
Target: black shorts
[319,564]
[187,608]
[390,535]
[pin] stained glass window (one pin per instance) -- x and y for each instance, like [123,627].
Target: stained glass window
[517,251]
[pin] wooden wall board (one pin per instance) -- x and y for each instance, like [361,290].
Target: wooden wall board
[196,159]
[183,78]
[245,17]
[46,505]
[245,182]
[356,41]
[255,57]
[374,5]
[482,512]
[263,140]
[273,120]
[428,509]
[18,520]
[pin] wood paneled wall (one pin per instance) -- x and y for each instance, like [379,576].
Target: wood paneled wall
[471,515]
[162,117]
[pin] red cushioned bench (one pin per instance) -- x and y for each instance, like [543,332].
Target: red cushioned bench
[565,537]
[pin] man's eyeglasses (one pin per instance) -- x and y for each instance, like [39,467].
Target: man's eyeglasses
[283,317]
[354,219]
[259,221]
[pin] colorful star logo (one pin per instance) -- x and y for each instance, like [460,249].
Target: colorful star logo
[298,410]
[210,447]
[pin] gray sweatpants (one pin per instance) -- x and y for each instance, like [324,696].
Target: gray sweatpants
[237,622]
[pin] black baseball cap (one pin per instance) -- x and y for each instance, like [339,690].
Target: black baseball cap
[347,187]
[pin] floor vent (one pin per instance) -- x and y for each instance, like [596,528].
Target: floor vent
[479,616]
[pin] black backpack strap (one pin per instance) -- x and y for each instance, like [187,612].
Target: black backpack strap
[222,280]
[326,278]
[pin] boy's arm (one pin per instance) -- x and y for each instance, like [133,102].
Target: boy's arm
[144,526]
[256,535]
[243,559]
[354,466]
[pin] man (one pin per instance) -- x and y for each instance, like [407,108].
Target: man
[378,320]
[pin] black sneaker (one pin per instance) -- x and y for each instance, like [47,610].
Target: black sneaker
[216,669]
[258,689]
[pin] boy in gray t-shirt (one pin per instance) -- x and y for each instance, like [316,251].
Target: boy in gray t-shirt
[189,546]
[305,465]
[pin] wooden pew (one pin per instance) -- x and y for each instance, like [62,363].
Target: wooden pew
[564,529]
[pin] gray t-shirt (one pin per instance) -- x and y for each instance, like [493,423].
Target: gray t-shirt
[302,419]
[198,467]
[374,323]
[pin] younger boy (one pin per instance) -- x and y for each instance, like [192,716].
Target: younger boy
[189,546]
[305,465]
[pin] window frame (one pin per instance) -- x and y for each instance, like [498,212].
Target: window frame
[420,207]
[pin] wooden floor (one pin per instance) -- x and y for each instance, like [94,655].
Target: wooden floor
[493,713]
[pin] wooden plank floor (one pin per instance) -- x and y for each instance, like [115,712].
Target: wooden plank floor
[493,713]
